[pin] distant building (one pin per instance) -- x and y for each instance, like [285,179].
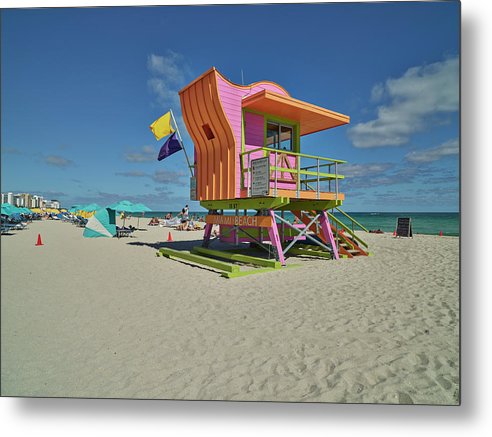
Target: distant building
[17,200]
[52,204]
[36,201]
[26,199]
[29,200]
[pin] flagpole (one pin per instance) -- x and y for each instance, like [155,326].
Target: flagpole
[181,141]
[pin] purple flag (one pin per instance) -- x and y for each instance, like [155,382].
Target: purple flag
[171,146]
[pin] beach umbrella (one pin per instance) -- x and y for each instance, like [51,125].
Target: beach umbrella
[74,208]
[101,224]
[9,209]
[90,208]
[142,207]
[125,206]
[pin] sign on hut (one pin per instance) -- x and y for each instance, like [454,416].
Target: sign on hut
[404,227]
[260,177]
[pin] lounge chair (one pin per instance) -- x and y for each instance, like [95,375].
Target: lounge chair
[123,232]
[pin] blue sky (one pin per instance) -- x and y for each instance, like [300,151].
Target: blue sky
[81,86]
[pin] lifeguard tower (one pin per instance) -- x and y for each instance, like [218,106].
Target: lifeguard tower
[249,169]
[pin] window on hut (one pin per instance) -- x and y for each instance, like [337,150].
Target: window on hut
[279,136]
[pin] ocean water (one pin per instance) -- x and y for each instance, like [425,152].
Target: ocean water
[430,223]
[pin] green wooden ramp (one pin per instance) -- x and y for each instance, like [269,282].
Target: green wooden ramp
[208,257]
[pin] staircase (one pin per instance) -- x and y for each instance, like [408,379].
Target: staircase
[349,244]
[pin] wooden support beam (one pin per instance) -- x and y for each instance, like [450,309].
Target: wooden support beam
[181,254]
[308,252]
[239,257]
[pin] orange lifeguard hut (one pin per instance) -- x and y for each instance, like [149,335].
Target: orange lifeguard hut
[249,169]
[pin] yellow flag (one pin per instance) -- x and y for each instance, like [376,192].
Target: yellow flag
[162,126]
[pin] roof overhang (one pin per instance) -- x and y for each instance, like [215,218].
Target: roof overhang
[312,118]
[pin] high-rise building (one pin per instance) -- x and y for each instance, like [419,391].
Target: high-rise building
[26,199]
[52,204]
[17,200]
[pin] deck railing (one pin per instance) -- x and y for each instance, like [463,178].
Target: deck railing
[318,176]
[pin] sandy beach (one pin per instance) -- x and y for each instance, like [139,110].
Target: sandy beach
[108,318]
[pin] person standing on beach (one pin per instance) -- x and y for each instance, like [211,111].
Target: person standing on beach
[184,218]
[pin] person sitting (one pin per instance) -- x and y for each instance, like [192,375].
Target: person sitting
[154,221]
[168,216]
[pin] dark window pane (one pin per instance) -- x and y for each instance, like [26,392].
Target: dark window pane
[272,135]
[286,135]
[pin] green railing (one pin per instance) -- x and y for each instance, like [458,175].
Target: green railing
[347,229]
[323,170]
[352,220]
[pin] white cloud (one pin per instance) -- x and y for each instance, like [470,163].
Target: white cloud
[11,150]
[448,148]
[148,153]
[58,161]
[416,98]
[377,92]
[131,174]
[363,170]
[169,177]
[169,74]
[169,66]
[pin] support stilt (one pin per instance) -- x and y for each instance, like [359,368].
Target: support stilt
[206,235]
[326,229]
[275,238]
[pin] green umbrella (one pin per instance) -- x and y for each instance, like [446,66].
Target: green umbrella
[9,209]
[74,208]
[125,206]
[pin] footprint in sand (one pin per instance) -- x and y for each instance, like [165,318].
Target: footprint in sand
[423,359]
[444,383]
[404,398]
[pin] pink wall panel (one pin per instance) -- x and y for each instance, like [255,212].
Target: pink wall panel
[231,98]
[254,129]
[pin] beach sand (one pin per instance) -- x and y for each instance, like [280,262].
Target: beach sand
[107,318]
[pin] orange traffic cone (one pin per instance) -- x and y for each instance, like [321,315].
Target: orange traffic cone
[440,233]
[169,236]
[39,243]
